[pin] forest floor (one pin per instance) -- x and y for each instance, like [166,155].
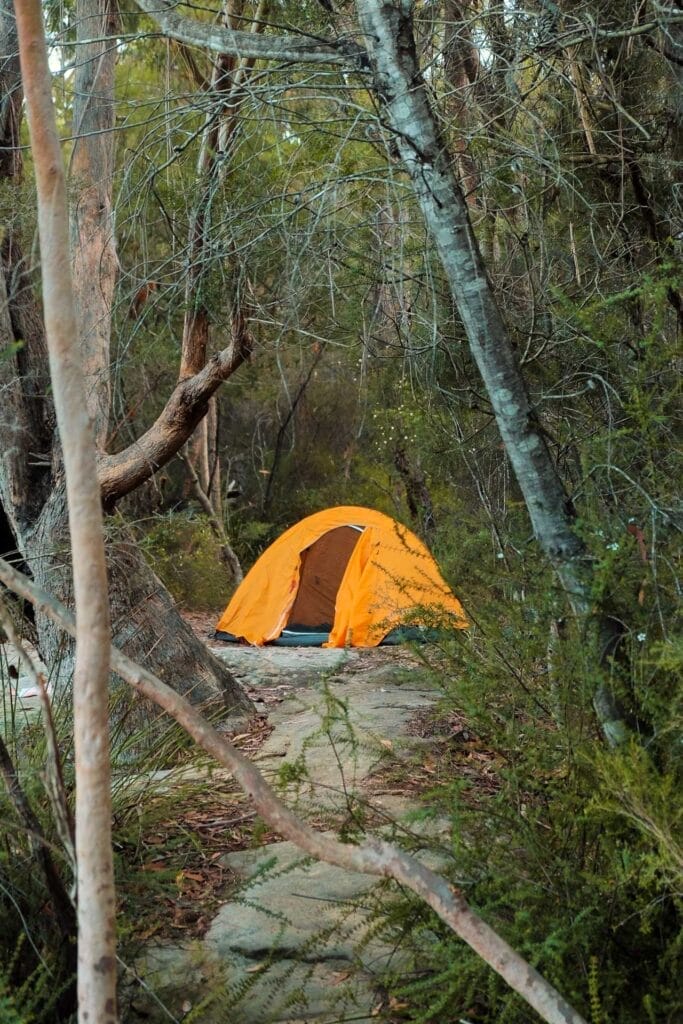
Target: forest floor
[225,922]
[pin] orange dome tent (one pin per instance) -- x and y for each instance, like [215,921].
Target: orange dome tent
[345,576]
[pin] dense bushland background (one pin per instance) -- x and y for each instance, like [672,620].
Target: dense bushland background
[565,124]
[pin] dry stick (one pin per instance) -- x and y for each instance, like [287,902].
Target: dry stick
[228,554]
[63,908]
[96,901]
[373,857]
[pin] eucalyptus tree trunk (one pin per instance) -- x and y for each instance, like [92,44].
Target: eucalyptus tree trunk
[228,80]
[388,31]
[96,906]
[145,620]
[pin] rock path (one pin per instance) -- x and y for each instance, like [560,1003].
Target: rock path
[292,943]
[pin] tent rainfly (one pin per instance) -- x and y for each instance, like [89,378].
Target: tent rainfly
[344,577]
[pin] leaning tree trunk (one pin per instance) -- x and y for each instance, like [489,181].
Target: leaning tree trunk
[145,622]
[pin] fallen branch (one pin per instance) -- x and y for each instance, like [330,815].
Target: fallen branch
[373,857]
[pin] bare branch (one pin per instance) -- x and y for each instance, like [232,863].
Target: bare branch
[373,857]
[283,48]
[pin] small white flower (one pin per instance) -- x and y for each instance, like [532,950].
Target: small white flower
[640,637]
[613,546]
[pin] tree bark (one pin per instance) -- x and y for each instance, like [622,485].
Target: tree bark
[228,79]
[461,68]
[26,417]
[387,28]
[391,46]
[224,39]
[91,172]
[144,621]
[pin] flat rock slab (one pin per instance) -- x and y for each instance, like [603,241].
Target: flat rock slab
[338,736]
[269,666]
[291,944]
[287,948]
[293,907]
[189,978]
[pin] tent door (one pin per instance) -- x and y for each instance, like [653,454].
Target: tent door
[322,568]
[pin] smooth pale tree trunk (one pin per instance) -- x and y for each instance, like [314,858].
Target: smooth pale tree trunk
[388,31]
[96,902]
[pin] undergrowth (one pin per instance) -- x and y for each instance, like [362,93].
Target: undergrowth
[575,855]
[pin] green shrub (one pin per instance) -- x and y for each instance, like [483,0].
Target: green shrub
[185,554]
[575,854]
